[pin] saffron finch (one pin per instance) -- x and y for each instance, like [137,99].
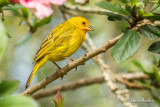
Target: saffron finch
[61,43]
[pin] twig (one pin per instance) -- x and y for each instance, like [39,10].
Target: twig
[131,76]
[82,2]
[86,9]
[88,81]
[69,12]
[128,83]
[63,13]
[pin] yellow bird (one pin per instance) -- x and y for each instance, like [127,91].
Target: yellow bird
[61,43]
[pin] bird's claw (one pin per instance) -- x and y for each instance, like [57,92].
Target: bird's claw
[70,60]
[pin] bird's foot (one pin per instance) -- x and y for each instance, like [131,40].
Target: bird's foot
[57,65]
[70,60]
[58,70]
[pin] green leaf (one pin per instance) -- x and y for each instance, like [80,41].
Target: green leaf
[133,2]
[148,14]
[124,1]
[61,104]
[158,63]
[151,16]
[25,12]
[8,87]
[125,29]
[128,9]
[15,12]
[156,100]
[155,47]
[37,22]
[24,39]
[140,5]
[138,65]
[12,7]
[150,32]
[113,7]
[55,103]
[155,97]
[145,2]
[18,101]
[156,74]
[114,17]
[4,2]
[146,85]
[8,35]
[126,46]
[135,11]
[158,26]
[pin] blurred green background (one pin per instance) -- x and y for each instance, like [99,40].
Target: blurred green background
[16,61]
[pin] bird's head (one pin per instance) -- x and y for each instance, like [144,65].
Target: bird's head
[81,23]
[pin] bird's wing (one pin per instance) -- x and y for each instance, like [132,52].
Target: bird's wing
[59,36]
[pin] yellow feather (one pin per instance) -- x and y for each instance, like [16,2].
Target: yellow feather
[62,42]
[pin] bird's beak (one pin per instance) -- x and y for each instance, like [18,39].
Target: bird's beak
[89,28]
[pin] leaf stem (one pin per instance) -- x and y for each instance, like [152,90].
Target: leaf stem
[128,21]
[157,5]
[2,15]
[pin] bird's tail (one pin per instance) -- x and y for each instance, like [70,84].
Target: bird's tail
[38,64]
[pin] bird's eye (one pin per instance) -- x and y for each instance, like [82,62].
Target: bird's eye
[83,23]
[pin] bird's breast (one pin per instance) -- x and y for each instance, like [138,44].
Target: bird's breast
[75,43]
[67,49]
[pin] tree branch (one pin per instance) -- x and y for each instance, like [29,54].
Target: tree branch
[88,81]
[67,86]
